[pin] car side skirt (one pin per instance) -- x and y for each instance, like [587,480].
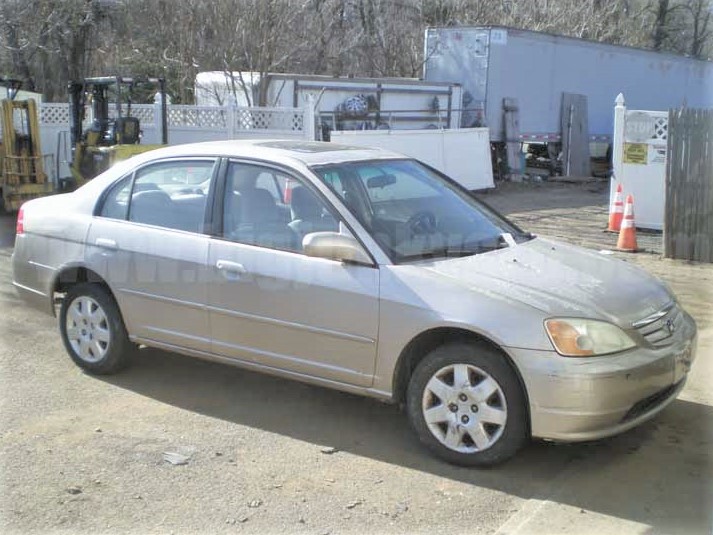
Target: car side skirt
[253,366]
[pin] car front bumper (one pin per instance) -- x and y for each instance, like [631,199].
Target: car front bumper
[578,399]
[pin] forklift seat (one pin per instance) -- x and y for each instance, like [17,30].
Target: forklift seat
[127,130]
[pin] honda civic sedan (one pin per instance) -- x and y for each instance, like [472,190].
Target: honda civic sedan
[360,270]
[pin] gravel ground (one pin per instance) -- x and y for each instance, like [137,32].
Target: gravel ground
[81,454]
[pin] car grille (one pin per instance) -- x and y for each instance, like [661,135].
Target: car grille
[649,403]
[658,328]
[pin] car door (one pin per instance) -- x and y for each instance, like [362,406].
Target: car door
[271,304]
[147,240]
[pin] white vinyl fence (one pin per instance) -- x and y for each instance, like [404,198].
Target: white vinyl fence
[639,161]
[186,124]
[463,154]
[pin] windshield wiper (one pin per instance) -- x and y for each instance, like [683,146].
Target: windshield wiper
[446,252]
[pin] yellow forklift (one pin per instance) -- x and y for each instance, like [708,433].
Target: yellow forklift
[22,173]
[110,134]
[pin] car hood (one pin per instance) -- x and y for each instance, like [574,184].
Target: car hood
[560,280]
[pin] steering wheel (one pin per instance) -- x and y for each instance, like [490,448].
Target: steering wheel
[423,222]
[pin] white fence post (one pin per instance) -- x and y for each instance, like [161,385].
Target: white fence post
[230,116]
[617,146]
[157,116]
[310,123]
[619,127]
[157,120]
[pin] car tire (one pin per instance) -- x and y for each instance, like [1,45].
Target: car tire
[467,405]
[92,330]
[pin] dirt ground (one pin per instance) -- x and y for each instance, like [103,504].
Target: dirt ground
[81,454]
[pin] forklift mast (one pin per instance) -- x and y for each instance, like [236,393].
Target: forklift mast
[99,88]
[113,134]
[22,172]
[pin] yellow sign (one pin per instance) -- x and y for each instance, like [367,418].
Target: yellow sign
[636,153]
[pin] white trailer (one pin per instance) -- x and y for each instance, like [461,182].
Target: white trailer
[537,69]
[343,103]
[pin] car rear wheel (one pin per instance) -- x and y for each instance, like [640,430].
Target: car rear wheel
[93,331]
[467,406]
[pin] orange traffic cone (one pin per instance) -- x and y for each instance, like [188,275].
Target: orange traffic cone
[616,212]
[627,235]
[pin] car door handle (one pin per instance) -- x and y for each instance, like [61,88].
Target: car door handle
[231,270]
[106,243]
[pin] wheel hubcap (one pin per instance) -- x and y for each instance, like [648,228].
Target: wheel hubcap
[87,329]
[464,408]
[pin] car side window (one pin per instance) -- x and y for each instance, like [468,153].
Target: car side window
[332,179]
[116,202]
[167,194]
[268,181]
[280,218]
[171,194]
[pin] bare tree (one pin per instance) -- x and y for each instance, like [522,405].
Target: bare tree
[47,42]
[700,27]
[252,36]
[51,43]
[16,44]
[667,19]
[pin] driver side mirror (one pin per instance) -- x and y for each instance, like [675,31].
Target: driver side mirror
[335,246]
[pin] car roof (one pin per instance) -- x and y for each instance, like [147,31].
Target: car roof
[307,152]
[293,153]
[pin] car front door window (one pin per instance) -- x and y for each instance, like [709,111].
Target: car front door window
[256,213]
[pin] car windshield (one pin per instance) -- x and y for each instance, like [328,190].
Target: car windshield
[416,213]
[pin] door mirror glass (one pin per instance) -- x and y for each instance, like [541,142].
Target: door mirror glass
[335,246]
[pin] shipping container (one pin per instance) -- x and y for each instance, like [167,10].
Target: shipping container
[494,63]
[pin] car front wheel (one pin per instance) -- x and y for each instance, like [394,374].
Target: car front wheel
[92,330]
[466,405]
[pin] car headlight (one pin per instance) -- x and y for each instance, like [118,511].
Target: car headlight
[578,337]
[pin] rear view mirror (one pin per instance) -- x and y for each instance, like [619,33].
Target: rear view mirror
[380,181]
[335,246]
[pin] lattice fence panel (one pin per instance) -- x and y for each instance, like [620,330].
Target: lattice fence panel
[54,114]
[214,120]
[279,119]
[647,125]
[146,114]
[197,117]
[661,128]
[143,112]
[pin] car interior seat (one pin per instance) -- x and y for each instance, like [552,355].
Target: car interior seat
[260,222]
[307,214]
[153,207]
